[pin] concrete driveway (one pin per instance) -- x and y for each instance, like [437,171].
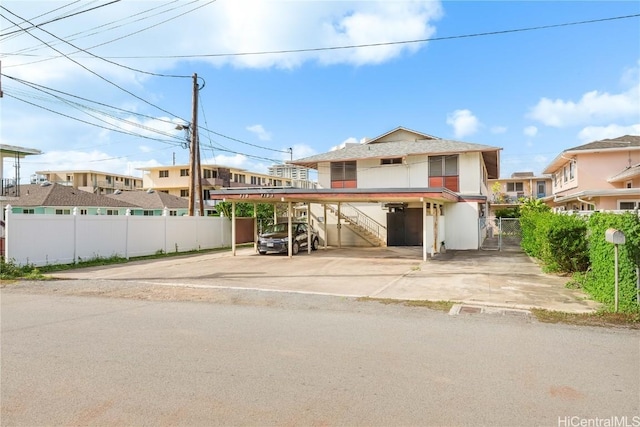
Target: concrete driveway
[503,279]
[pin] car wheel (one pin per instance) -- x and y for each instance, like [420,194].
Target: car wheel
[262,252]
[294,248]
[314,245]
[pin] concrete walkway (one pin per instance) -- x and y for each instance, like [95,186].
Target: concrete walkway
[502,279]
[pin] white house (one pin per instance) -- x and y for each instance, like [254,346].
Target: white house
[402,188]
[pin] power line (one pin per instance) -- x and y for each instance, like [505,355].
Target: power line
[357,46]
[88,69]
[20,30]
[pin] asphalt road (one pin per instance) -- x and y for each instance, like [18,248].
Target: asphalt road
[250,358]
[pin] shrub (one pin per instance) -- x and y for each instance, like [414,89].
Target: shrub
[600,282]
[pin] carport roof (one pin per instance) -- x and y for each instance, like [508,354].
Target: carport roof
[369,195]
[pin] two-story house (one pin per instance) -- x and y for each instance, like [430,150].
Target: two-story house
[89,180]
[402,188]
[509,192]
[600,175]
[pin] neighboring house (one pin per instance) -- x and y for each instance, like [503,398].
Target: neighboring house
[56,199]
[509,192]
[153,203]
[600,175]
[402,188]
[89,180]
[8,185]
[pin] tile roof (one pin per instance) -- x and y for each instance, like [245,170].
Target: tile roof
[60,195]
[151,200]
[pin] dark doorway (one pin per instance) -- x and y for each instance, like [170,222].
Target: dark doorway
[404,227]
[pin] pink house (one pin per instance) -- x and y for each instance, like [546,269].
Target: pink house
[600,175]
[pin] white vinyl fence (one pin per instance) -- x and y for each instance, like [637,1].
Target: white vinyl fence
[64,239]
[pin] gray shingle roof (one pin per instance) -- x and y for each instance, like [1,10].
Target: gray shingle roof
[394,149]
[60,195]
[152,200]
[628,173]
[620,142]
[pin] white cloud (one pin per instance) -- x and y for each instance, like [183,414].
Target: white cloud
[530,131]
[260,132]
[350,140]
[593,107]
[498,129]
[597,133]
[464,123]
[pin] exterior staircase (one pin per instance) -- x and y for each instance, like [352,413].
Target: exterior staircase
[361,224]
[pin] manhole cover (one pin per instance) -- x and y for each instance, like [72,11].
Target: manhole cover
[466,309]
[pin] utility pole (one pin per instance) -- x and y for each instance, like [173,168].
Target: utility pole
[194,152]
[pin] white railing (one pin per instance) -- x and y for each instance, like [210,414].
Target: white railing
[357,217]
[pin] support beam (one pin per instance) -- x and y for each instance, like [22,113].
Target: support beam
[324,224]
[309,235]
[424,230]
[339,228]
[233,228]
[255,227]
[289,228]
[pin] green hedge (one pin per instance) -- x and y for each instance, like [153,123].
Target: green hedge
[572,244]
[599,282]
[559,241]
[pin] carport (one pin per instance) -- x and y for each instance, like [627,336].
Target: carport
[431,200]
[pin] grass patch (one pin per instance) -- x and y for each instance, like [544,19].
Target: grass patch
[603,318]
[11,271]
[433,305]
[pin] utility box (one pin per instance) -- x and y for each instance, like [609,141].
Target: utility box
[614,236]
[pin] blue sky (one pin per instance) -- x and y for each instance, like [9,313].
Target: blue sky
[533,93]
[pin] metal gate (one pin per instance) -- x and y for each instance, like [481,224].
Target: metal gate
[500,234]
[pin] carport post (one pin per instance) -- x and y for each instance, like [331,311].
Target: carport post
[324,222]
[289,227]
[424,230]
[339,228]
[255,227]
[309,242]
[233,228]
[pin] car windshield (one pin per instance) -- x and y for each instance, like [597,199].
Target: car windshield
[276,228]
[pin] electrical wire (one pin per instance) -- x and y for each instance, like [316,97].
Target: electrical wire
[358,46]
[20,30]
[93,72]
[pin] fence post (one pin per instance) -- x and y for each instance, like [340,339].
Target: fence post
[75,235]
[8,213]
[165,214]
[127,217]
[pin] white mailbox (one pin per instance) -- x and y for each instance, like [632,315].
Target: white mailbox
[614,236]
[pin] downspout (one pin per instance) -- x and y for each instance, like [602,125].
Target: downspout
[587,203]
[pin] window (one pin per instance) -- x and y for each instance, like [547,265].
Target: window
[565,173]
[255,180]
[628,206]
[443,172]
[28,211]
[147,213]
[208,173]
[63,211]
[344,175]
[392,161]
[83,211]
[184,172]
[184,193]
[173,213]
[112,212]
[126,182]
[515,186]
[572,169]
[239,178]
[164,174]
[108,179]
[628,184]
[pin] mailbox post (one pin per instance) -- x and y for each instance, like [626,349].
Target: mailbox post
[617,238]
